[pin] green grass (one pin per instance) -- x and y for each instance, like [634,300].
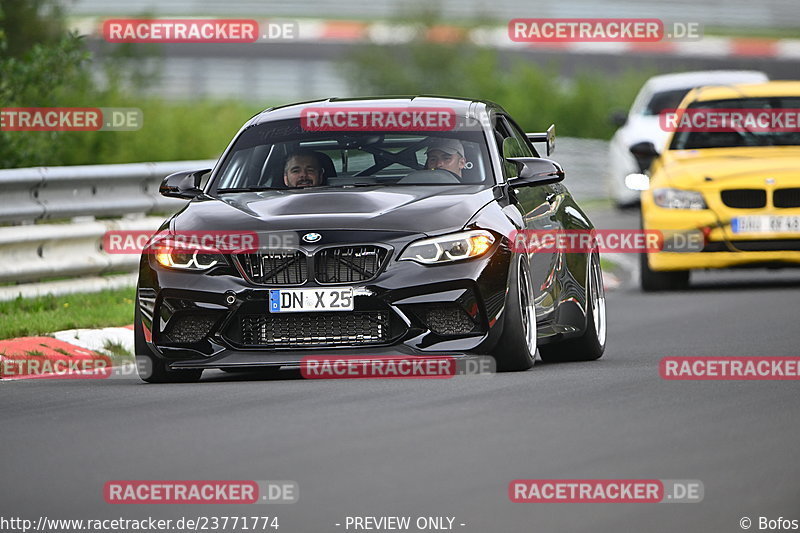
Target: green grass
[115,349]
[171,131]
[755,33]
[25,317]
[607,265]
[118,353]
[592,204]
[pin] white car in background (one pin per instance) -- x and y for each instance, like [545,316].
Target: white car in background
[658,94]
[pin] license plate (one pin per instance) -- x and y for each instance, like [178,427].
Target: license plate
[766,224]
[305,300]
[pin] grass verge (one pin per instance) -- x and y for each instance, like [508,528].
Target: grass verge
[118,353]
[25,317]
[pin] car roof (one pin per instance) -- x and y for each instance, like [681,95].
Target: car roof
[461,106]
[743,90]
[688,80]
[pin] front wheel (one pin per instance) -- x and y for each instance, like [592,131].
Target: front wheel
[153,370]
[516,349]
[652,281]
[592,343]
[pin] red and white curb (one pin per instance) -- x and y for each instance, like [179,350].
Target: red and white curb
[351,31]
[97,339]
[30,357]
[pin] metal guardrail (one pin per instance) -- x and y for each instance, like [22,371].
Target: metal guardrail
[46,193]
[32,253]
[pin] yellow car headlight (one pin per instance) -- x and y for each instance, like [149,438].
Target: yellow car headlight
[678,199]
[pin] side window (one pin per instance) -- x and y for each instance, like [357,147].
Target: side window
[513,144]
[502,138]
[522,145]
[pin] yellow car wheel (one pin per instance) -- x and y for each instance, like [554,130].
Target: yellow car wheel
[652,281]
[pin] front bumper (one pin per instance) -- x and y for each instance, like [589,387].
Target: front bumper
[197,320]
[722,249]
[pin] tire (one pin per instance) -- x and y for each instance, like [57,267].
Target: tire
[516,349]
[591,345]
[152,369]
[628,206]
[652,281]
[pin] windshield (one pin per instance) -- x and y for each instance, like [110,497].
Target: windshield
[746,133]
[281,155]
[664,100]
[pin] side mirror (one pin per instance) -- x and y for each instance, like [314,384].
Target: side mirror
[645,153]
[618,118]
[185,184]
[548,137]
[535,171]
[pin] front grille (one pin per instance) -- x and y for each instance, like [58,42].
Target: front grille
[786,197]
[744,198]
[188,328]
[448,319]
[275,269]
[348,264]
[315,329]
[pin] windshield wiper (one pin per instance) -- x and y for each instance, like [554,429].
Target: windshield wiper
[244,189]
[338,186]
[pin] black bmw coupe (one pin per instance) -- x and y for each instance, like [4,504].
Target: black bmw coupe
[368,227]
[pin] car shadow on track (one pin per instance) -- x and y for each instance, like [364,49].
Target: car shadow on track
[251,375]
[763,280]
[541,367]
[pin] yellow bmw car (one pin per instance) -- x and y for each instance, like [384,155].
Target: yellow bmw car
[730,174]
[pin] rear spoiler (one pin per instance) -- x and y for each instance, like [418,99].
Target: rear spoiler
[548,137]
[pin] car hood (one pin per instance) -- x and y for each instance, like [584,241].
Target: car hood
[730,167]
[414,209]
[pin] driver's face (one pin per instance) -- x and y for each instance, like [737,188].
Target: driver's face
[452,162]
[302,171]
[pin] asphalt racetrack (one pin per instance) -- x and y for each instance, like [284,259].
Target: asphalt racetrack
[449,447]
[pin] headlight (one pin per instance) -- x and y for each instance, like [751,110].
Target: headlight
[172,255]
[678,199]
[447,248]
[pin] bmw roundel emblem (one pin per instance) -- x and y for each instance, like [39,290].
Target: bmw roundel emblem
[312,237]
